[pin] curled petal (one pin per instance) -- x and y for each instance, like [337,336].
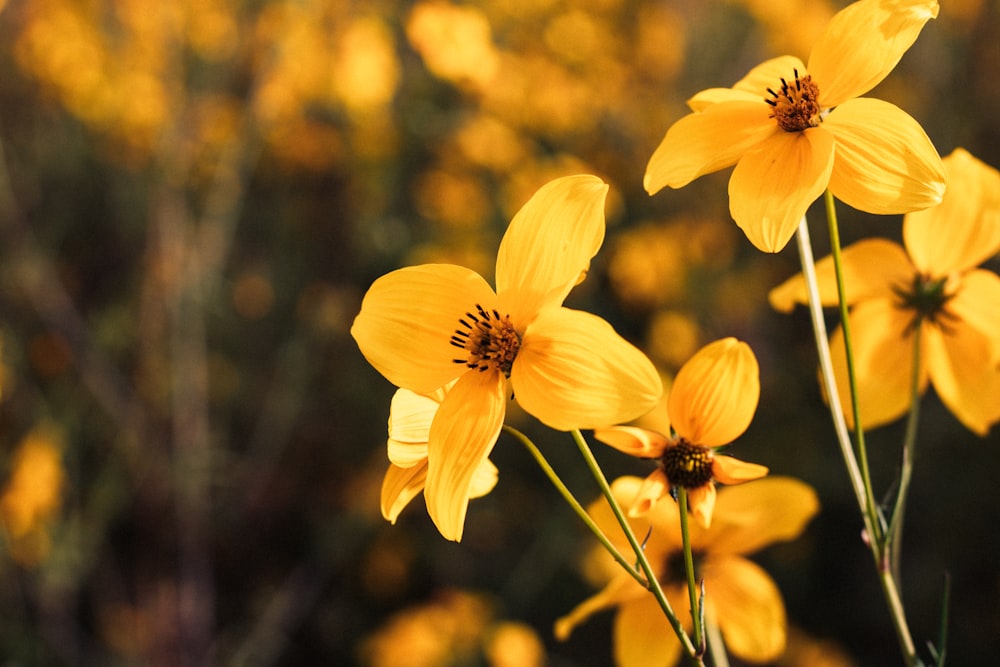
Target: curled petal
[574,371]
[463,434]
[885,163]
[653,488]
[970,388]
[701,504]
[631,440]
[549,244]
[407,318]
[748,607]
[727,470]
[774,184]
[399,487]
[708,141]
[715,394]
[410,417]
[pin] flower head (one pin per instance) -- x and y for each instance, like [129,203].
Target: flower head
[793,130]
[931,284]
[424,327]
[740,597]
[711,403]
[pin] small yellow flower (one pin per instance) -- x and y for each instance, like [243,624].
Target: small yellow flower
[711,403]
[739,596]
[423,327]
[931,283]
[794,130]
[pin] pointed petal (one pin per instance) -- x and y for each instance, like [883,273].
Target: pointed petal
[862,44]
[462,436]
[634,441]
[885,163]
[969,211]
[621,589]
[548,244]
[970,388]
[701,503]
[407,318]
[751,516]
[774,184]
[975,305]
[715,393]
[872,268]
[574,371]
[728,470]
[642,635]
[708,141]
[399,487]
[654,487]
[747,606]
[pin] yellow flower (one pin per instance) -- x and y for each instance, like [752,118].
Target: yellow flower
[425,326]
[794,130]
[410,418]
[932,284]
[711,403]
[739,596]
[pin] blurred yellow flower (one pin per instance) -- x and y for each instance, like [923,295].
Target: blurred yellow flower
[425,326]
[739,596]
[32,495]
[793,131]
[931,283]
[711,403]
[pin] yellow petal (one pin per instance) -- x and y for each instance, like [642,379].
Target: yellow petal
[703,142]
[747,606]
[701,503]
[871,267]
[975,304]
[461,438]
[410,417]
[714,395]
[969,211]
[751,516]
[548,244]
[484,479]
[622,588]
[728,470]
[966,385]
[634,441]
[624,489]
[774,184]
[885,163]
[769,75]
[407,318]
[642,635]
[400,486]
[706,98]
[574,371]
[862,44]
[654,487]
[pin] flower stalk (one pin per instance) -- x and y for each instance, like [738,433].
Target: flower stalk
[697,609]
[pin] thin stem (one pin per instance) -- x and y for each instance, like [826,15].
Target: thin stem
[716,646]
[652,582]
[574,503]
[692,584]
[894,535]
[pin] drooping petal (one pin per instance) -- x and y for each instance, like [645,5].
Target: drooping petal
[574,371]
[410,417]
[872,268]
[484,479]
[863,43]
[400,486]
[654,487]
[550,241]
[964,229]
[773,184]
[885,162]
[463,434]
[407,318]
[975,306]
[634,441]
[883,357]
[700,143]
[966,385]
[642,635]
[747,606]
[715,394]
[622,589]
[729,470]
[701,502]
[751,516]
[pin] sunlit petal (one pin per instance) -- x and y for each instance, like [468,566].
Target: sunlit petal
[769,74]
[631,440]
[715,394]
[747,606]
[642,635]
[774,184]
[964,230]
[574,371]
[701,503]
[863,43]
[966,385]
[885,162]
[703,142]
[407,318]
[729,470]
[706,98]
[484,479]
[548,244]
[399,487]
[410,417]
[462,436]
[976,306]
[654,487]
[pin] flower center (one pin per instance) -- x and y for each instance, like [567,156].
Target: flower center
[687,465]
[796,105]
[489,340]
[927,297]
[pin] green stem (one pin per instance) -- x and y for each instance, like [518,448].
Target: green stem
[716,646]
[574,503]
[692,584]
[652,583]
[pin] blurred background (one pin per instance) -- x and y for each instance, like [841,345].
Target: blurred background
[194,197]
